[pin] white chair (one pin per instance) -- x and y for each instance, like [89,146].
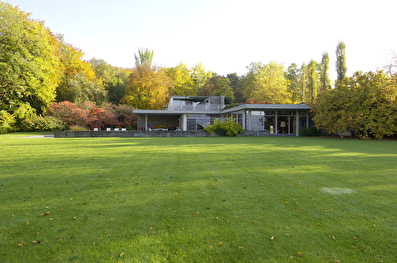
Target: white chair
[116,129]
[108,129]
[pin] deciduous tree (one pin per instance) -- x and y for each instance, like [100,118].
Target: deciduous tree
[216,86]
[115,80]
[183,81]
[79,82]
[29,66]
[340,62]
[325,83]
[144,57]
[391,64]
[148,88]
[268,83]
[312,84]
[365,104]
[237,87]
[292,75]
[200,76]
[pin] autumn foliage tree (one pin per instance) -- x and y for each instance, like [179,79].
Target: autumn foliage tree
[114,79]
[184,84]
[79,82]
[148,88]
[89,115]
[29,67]
[365,104]
[267,82]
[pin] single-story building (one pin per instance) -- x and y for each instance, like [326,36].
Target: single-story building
[196,112]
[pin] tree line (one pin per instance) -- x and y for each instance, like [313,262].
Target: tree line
[38,68]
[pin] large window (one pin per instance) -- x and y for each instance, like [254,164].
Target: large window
[197,121]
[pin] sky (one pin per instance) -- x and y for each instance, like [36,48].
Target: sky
[224,35]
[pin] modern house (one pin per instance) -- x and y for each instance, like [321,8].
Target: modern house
[196,112]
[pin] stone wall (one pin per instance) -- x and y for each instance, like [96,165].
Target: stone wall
[75,134]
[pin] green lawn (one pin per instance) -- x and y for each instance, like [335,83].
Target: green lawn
[259,199]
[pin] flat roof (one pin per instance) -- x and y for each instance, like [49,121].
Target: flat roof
[261,107]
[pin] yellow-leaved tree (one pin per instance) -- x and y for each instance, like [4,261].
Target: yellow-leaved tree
[184,84]
[148,88]
[149,85]
[267,83]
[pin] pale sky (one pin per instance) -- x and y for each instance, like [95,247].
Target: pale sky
[225,35]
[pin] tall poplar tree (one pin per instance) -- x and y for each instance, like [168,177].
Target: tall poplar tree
[340,62]
[144,57]
[302,95]
[312,81]
[325,83]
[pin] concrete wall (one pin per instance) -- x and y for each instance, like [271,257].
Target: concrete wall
[76,134]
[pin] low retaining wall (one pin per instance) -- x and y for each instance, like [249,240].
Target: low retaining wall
[75,134]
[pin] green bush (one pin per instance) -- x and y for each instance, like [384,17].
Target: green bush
[228,100]
[40,123]
[231,106]
[311,132]
[6,122]
[78,128]
[224,128]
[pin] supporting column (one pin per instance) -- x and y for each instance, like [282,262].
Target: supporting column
[243,120]
[184,122]
[146,128]
[307,120]
[249,120]
[297,123]
[275,125]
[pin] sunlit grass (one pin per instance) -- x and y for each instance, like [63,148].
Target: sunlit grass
[197,200]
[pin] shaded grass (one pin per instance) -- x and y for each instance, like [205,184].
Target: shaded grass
[197,200]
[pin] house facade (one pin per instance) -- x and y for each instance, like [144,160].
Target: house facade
[196,112]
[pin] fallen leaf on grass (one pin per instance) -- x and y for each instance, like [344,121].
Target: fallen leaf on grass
[272,238]
[326,211]
[354,247]
[36,242]
[22,243]
[122,254]
[45,214]
[220,243]
[299,254]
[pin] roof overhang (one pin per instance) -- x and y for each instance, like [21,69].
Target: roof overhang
[242,107]
[172,112]
[267,107]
